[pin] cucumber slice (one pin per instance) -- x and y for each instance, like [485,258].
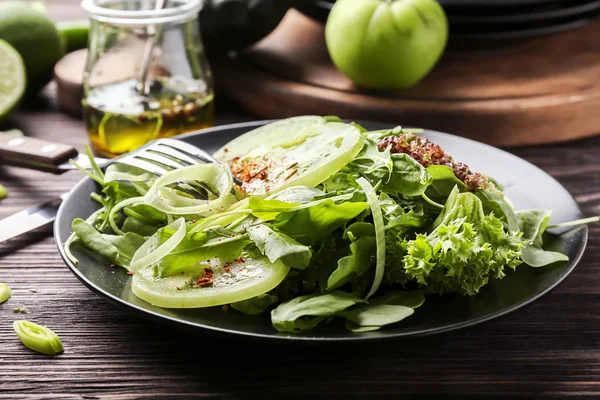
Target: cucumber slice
[296,151]
[231,282]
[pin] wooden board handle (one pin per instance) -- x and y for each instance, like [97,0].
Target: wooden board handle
[33,153]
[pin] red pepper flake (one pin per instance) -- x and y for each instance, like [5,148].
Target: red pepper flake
[206,279]
[225,308]
[182,273]
[227,269]
[294,172]
[194,221]
[293,165]
[225,149]
[171,275]
[268,189]
[130,272]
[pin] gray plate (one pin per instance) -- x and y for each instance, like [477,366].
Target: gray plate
[526,185]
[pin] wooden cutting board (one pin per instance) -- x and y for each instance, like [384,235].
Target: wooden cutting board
[534,91]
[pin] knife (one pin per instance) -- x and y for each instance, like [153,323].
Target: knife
[30,219]
[44,156]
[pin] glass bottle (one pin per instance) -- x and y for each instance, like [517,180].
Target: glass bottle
[122,109]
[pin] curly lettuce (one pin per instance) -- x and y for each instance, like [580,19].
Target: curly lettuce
[464,249]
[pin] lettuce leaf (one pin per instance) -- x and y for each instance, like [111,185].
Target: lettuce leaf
[464,250]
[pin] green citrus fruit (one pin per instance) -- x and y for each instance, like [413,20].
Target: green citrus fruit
[12,79]
[35,37]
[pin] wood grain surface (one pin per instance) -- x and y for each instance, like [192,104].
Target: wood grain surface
[550,349]
[541,90]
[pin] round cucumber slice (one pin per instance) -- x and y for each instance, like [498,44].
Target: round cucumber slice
[239,280]
[296,151]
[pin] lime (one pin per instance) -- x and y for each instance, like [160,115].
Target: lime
[74,34]
[35,37]
[12,79]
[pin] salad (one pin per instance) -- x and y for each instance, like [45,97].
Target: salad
[331,222]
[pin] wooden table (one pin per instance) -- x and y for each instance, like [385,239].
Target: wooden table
[551,348]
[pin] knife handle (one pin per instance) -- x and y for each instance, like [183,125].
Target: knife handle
[34,153]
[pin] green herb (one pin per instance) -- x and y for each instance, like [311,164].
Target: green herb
[349,268]
[376,315]
[21,310]
[533,224]
[118,250]
[38,338]
[306,312]
[278,246]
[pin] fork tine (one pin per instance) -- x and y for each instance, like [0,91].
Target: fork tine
[183,148]
[145,165]
[157,158]
[189,150]
[151,156]
[171,152]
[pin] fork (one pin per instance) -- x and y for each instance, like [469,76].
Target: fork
[157,157]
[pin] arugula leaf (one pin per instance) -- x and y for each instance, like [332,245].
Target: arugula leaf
[311,224]
[118,250]
[536,257]
[395,216]
[358,230]
[533,224]
[377,315]
[444,181]
[198,247]
[143,219]
[255,305]
[408,177]
[265,207]
[341,182]
[362,258]
[413,299]
[147,214]
[306,312]
[388,309]
[278,246]
[494,202]
[297,194]
[135,225]
[400,173]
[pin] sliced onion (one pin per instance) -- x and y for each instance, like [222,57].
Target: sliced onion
[144,256]
[214,175]
[379,233]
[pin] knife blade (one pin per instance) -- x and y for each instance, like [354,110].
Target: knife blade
[30,219]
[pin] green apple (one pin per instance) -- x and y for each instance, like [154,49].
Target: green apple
[386,44]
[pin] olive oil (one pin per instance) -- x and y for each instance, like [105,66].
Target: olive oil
[120,119]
